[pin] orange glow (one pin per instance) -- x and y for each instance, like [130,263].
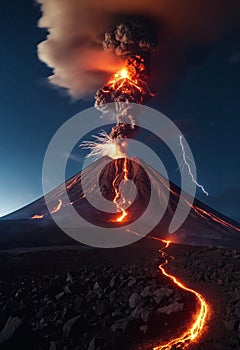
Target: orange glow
[203,213]
[127,81]
[37,216]
[195,328]
[58,207]
[118,195]
[124,82]
[55,209]
[199,319]
[115,151]
[124,73]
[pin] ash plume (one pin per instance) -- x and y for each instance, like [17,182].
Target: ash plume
[134,40]
[134,37]
[73,47]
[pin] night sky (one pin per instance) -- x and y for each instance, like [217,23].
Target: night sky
[205,105]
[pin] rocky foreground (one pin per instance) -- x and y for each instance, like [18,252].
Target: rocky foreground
[120,306]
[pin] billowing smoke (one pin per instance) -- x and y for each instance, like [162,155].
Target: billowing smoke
[135,41]
[134,37]
[73,48]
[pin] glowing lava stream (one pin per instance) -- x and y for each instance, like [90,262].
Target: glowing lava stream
[55,210]
[58,207]
[118,195]
[196,327]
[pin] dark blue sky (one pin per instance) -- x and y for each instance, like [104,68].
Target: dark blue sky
[206,106]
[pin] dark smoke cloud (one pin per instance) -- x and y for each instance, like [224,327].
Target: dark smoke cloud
[76,28]
[135,36]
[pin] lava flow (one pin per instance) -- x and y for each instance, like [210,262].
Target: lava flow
[118,196]
[55,210]
[195,328]
[58,207]
[204,214]
[36,216]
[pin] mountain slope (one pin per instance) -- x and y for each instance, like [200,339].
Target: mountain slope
[33,225]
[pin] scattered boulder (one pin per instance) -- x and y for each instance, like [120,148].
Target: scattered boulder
[172,308]
[146,292]
[134,300]
[9,328]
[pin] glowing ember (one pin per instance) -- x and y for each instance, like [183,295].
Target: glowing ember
[37,216]
[57,208]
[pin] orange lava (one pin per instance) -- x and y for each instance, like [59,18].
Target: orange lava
[120,203]
[57,208]
[203,213]
[195,328]
[37,216]
[127,81]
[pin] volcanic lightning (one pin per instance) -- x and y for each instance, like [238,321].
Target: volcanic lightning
[131,40]
[134,41]
[189,167]
[129,85]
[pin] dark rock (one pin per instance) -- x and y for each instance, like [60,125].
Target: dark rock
[172,308]
[74,327]
[230,325]
[146,292]
[134,300]
[9,328]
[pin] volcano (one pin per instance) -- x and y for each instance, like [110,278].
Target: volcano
[34,251]
[33,226]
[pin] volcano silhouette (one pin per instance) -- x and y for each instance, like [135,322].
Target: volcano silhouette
[33,226]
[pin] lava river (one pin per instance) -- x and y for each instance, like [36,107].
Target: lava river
[196,327]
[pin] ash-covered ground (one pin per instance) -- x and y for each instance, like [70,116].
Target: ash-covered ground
[116,299]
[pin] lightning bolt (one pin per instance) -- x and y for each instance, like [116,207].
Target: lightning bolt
[189,167]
